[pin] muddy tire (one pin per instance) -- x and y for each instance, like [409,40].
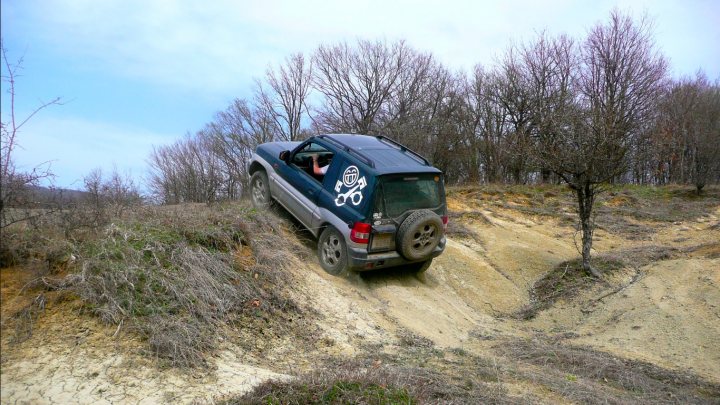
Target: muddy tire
[420,267]
[419,234]
[260,190]
[332,251]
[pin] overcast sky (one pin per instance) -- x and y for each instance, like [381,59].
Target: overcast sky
[139,73]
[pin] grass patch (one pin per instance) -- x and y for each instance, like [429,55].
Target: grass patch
[367,381]
[643,203]
[349,383]
[658,204]
[564,282]
[584,375]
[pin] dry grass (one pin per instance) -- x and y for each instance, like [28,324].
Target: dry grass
[177,276]
[374,381]
[584,375]
[346,384]
[617,210]
[659,204]
[564,282]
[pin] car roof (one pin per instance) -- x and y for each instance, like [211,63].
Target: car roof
[385,155]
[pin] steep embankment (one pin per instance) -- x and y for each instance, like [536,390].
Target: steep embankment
[659,305]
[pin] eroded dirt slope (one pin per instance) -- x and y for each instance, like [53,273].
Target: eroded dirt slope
[665,310]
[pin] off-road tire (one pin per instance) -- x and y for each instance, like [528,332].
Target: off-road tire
[419,234]
[332,251]
[420,267]
[260,190]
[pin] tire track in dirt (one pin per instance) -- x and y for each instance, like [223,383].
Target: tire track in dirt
[462,293]
[670,317]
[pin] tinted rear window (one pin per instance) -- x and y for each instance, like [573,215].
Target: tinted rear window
[398,194]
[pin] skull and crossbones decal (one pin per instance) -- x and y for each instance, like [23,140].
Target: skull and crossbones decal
[353,183]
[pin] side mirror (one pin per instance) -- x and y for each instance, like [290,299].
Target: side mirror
[285,155]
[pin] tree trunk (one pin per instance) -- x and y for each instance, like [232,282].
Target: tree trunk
[586,198]
[545,175]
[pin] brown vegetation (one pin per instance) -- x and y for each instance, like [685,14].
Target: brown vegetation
[178,285]
[171,276]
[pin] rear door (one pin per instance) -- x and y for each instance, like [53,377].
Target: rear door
[401,193]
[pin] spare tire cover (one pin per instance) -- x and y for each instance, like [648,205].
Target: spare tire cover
[419,234]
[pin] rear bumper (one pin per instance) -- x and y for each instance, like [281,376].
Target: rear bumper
[360,260]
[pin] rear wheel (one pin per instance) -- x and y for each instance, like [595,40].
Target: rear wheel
[260,190]
[332,251]
[420,267]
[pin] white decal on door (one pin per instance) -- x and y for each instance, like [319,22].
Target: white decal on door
[354,183]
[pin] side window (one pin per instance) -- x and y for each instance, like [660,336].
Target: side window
[313,159]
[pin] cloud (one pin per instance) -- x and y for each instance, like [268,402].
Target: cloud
[211,45]
[216,47]
[75,146]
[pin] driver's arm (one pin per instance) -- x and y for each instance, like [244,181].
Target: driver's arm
[316,167]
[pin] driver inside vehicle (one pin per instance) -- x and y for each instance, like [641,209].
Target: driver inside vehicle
[317,169]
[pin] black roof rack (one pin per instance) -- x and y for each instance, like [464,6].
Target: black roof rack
[403,148]
[348,149]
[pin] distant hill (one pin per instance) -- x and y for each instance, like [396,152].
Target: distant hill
[45,195]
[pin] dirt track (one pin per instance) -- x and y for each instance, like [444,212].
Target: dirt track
[667,313]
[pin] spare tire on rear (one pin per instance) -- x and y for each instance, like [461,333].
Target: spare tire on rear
[419,234]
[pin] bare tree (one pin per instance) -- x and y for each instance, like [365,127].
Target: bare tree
[356,82]
[14,184]
[509,88]
[234,134]
[488,126]
[409,101]
[618,81]
[286,94]
[211,164]
[548,65]
[686,138]
[423,112]
[705,138]
[186,171]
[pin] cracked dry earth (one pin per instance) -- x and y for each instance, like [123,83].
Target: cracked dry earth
[666,312]
[75,359]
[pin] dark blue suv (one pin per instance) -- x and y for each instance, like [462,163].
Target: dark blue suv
[372,202]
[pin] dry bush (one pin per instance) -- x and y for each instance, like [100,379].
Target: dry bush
[24,319]
[174,275]
[584,375]
[410,339]
[369,382]
[51,236]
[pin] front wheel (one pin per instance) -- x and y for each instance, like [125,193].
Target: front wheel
[260,190]
[332,251]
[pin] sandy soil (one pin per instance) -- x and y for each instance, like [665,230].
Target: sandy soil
[74,359]
[666,312]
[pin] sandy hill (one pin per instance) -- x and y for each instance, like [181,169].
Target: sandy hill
[502,316]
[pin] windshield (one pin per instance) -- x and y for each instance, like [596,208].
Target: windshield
[400,193]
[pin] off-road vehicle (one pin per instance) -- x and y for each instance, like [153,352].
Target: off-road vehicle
[372,202]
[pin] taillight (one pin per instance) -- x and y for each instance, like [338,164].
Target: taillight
[445,222]
[360,232]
